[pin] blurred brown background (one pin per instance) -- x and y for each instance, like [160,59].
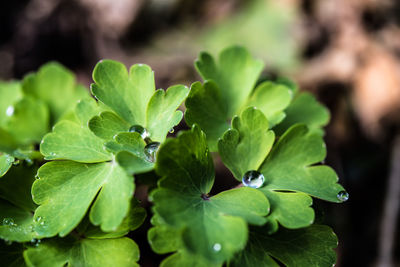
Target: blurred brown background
[347,52]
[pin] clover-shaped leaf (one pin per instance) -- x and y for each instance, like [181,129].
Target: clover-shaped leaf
[287,177]
[56,86]
[289,165]
[91,167]
[245,146]
[311,246]
[228,90]
[68,251]
[187,168]
[132,96]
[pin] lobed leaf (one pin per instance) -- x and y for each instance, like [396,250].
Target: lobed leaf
[228,90]
[66,189]
[311,246]
[182,201]
[86,252]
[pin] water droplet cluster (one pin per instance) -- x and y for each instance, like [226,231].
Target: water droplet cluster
[8,222]
[150,150]
[253,179]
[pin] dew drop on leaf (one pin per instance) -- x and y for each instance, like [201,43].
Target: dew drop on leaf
[8,221]
[343,196]
[140,130]
[217,247]
[172,130]
[150,151]
[35,242]
[16,162]
[253,179]
[39,220]
[10,111]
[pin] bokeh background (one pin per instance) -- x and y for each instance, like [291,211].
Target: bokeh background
[347,52]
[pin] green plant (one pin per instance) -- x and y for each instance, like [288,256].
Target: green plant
[82,205]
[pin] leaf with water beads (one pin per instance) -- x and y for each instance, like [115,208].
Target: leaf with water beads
[311,246]
[245,146]
[285,168]
[132,96]
[6,162]
[56,193]
[59,252]
[182,200]
[16,205]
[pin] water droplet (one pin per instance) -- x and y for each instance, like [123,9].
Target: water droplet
[253,179]
[35,242]
[16,162]
[29,162]
[172,130]
[39,220]
[140,130]
[150,151]
[217,247]
[10,111]
[8,221]
[343,196]
[52,154]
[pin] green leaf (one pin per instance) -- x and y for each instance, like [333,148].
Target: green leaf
[132,221]
[29,121]
[164,239]
[56,86]
[15,186]
[161,111]
[235,74]
[228,90]
[182,202]
[59,252]
[107,125]
[291,210]
[246,145]
[288,165]
[307,110]
[182,259]
[132,96]
[312,246]
[11,93]
[6,162]
[16,223]
[63,206]
[126,93]
[205,107]
[69,140]
[11,255]
[271,98]
[130,152]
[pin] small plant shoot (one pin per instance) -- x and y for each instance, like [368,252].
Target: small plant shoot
[70,163]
